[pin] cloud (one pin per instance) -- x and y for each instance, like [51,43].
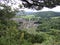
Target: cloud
[56,9]
[45,9]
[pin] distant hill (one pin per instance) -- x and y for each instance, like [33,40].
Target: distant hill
[47,14]
[41,14]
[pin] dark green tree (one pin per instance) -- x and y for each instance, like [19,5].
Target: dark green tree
[39,4]
[8,28]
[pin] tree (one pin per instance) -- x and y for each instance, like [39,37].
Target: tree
[9,33]
[8,28]
[6,13]
[39,4]
[36,4]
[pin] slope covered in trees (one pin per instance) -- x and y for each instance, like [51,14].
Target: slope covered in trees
[48,14]
[47,33]
[40,14]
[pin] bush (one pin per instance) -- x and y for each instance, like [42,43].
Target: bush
[34,38]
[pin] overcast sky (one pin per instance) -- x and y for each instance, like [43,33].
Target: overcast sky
[56,9]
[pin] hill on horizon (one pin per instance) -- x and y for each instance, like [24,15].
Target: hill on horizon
[41,14]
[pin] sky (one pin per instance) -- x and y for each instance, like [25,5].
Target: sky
[55,9]
[17,2]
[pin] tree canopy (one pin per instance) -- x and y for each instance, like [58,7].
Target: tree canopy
[36,4]
[39,4]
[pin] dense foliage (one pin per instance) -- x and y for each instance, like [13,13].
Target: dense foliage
[35,4]
[9,33]
[47,32]
[50,26]
[39,4]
